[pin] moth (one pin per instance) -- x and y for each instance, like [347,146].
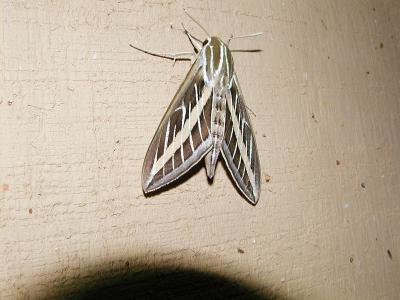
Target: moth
[207,117]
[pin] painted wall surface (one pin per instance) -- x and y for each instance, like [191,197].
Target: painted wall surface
[79,107]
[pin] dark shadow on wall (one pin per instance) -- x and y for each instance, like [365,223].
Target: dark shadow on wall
[144,282]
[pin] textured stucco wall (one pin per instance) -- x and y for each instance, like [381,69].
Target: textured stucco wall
[78,109]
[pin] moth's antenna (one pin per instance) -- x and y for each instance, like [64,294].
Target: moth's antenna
[194,20]
[243,36]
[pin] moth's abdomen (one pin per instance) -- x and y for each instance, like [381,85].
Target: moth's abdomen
[219,107]
[218,115]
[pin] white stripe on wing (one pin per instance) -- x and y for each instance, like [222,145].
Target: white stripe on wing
[182,135]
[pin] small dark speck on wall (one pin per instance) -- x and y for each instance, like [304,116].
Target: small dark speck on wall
[389,254]
[338,162]
[324,24]
[314,118]
[239,250]
[30,211]
[363,185]
[351,259]
[381,45]
[268,178]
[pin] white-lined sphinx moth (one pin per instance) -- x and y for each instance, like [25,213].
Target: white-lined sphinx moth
[206,117]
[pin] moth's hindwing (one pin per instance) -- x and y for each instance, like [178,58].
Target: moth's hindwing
[183,136]
[239,146]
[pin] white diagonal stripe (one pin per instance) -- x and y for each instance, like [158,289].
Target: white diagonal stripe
[198,113]
[251,147]
[240,143]
[234,151]
[244,169]
[166,140]
[173,143]
[190,132]
[221,60]
[183,121]
[182,135]
[212,60]
[227,62]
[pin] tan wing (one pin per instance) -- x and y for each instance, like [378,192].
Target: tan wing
[182,138]
[239,146]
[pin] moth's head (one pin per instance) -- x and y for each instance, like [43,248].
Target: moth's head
[214,41]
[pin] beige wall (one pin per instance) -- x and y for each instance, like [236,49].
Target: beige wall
[78,109]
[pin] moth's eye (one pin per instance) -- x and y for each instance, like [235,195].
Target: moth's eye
[205,43]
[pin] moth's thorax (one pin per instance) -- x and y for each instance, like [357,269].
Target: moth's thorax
[218,62]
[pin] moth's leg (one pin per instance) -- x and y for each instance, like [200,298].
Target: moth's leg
[246,50]
[172,56]
[196,43]
[232,37]
[244,36]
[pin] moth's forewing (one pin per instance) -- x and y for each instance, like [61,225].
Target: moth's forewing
[182,137]
[239,146]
